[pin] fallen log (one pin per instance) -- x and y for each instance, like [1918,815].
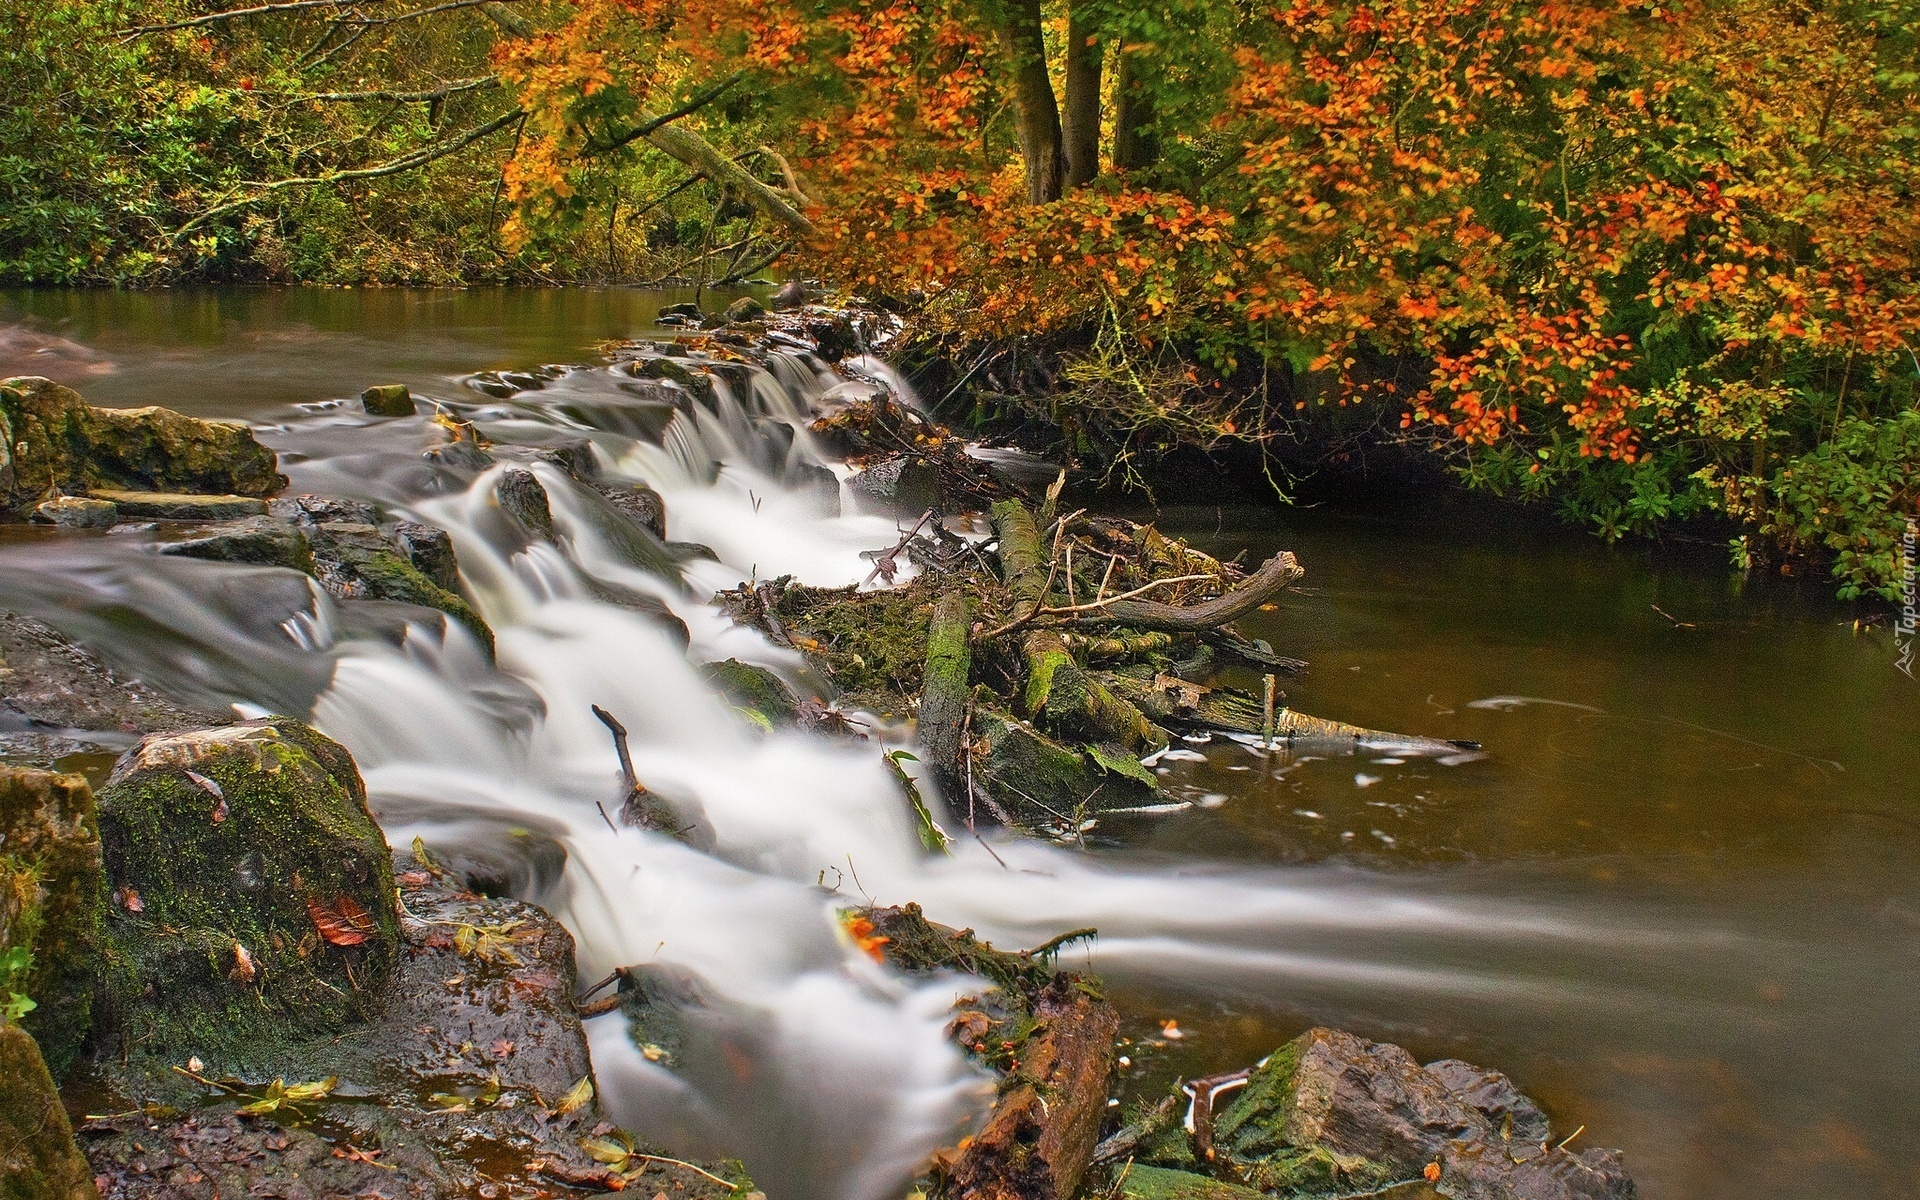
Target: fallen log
[1182,704]
[945,691]
[1273,577]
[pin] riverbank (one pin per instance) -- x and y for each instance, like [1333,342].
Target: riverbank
[1199,817]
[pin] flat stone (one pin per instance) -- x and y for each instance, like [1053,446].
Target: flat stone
[51,681]
[181,506]
[258,541]
[77,512]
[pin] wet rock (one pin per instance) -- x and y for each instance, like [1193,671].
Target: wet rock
[56,441]
[903,483]
[684,309]
[357,562]
[50,905]
[49,680]
[38,1158]
[1334,1114]
[644,506]
[430,549]
[309,509]
[792,294]
[754,689]
[180,506]
[388,400]
[251,895]
[76,512]
[1513,1116]
[746,308]
[520,493]
[695,383]
[470,1076]
[259,541]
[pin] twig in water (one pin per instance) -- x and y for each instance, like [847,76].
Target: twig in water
[605,817]
[1677,622]
[619,732]
[1576,1133]
[884,565]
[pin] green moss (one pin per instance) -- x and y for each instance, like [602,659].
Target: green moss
[1258,1133]
[221,889]
[38,1158]
[872,644]
[1138,1182]
[388,576]
[1043,782]
[50,903]
[755,689]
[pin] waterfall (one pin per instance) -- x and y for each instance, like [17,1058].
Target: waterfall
[829,1074]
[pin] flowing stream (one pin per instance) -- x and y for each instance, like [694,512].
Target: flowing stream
[1676,899]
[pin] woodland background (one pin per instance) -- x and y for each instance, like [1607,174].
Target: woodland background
[1653,263]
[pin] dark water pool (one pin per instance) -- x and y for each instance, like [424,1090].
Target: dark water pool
[1708,788]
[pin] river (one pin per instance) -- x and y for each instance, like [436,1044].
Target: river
[1676,899]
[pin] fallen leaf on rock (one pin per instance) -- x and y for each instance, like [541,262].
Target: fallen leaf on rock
[501,1048]
[206,785]
[1432,1172]
[129,899]
[576,1098]
[344,923]
[243,972]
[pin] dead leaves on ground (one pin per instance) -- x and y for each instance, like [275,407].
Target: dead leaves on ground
[342,923]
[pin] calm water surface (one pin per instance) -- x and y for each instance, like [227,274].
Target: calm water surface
[1706,788]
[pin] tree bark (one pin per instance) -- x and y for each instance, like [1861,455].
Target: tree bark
[1037,116]
[1135,145]
[1086,55]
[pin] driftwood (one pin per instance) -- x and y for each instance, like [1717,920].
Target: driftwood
[1273,577]
[1039,1140]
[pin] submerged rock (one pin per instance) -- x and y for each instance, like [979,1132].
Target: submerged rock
[388,400]
[251,893]
[53,440]
[51,681]
[50,906]
[38,1158]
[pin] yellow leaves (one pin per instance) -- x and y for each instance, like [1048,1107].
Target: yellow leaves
[491,943]
[577,1097]
[280,1096]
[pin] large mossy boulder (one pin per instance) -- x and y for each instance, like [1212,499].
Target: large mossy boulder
[251,895]
[1331,1115]
[52,440]
[38,1158]
[50,906]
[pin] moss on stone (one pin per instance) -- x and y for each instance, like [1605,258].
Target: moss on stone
[755,689]
[50,903]
[1258,1132]
[387,576]
[38,1157]
[59,442]
[252,892]
[873,645]
[1043,782]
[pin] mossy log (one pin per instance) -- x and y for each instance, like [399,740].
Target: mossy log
[1273,577]
[252,893]
[1182,704]
[1059,695]
[1041,783]
[50,904]
[944,695]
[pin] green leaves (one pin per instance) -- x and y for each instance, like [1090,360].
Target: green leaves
[15,963]
[282,1097]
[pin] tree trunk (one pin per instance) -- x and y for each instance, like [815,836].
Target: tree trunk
[1135,144]
[1037,115]
[1086,55]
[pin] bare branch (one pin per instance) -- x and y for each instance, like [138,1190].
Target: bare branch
[406,162]
[647,128]
[439,93]
[236,13]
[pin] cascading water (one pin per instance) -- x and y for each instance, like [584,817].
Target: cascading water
[831,1076]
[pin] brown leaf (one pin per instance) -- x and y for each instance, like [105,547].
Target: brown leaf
[128,899]
[501,1047]
[343,924]
[243,971]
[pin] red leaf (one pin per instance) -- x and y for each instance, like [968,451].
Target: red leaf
[344,924]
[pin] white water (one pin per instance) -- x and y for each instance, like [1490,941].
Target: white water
[830,1075]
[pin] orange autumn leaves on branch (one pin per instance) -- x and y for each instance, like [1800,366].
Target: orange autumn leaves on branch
[1650,252]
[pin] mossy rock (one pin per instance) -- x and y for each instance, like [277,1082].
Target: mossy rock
[1043,783]
[257,541]
[38,1157]
[57,441]
[50,904]
[356,562]
[873,645]
[252,893]
[754,689]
